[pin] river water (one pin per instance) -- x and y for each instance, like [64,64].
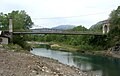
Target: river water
[101,66]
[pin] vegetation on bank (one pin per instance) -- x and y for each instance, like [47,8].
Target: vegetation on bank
[78,42]
[62,47]
[13,47]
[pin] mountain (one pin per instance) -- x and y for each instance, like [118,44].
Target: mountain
[64,27]
[98,25]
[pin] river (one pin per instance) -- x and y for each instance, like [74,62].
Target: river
[101,66]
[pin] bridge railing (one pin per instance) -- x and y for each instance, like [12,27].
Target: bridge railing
[83,32]
[65,32]
[56,30]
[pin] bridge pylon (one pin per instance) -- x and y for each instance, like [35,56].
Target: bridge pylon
[106,28]
[11,29]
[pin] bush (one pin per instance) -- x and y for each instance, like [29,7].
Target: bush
[86,47]
[13,47]
[20,40]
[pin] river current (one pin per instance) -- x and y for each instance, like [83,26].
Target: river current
[101,66]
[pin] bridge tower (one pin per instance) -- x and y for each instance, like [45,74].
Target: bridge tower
[11,29]
[106,28]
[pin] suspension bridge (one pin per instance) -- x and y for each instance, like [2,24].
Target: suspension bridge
[59,32]
[10,32]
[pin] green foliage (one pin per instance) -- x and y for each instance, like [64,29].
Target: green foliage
[86,47]
[79,28]
[114,34]
[3,21]
[97,28]
[115,17]
[13,47]
[86,42]
[113,37]
[115,21]
[21,22]
[20,40]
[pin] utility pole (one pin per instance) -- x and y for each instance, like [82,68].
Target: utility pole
[11,29]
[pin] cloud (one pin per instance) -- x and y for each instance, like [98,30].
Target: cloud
[89,11]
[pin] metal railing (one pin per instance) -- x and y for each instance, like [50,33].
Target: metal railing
[64,32]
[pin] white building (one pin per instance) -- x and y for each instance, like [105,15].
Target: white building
[3,39]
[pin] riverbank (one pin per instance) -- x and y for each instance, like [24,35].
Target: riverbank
[26,64]
[53,46]
[109,53]
[70,48]
[63,47]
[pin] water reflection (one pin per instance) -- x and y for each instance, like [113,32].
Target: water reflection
[109,66]
[96,73]
[96,65]
[85,66]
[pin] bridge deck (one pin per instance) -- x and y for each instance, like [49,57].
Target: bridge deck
[61,33]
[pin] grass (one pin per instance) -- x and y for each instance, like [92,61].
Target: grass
[63,47]
[14,47]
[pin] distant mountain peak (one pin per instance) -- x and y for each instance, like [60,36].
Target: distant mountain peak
[64,27]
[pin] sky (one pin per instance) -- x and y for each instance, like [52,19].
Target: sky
[51,13]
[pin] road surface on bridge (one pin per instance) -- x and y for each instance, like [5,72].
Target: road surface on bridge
[61,32]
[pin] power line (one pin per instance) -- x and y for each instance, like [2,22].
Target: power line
[70,16]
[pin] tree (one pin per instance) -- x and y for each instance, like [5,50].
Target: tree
[21,21]
[4,21]
[114,20]
[115,17]
[79,28]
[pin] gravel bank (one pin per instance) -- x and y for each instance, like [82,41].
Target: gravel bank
[24,64]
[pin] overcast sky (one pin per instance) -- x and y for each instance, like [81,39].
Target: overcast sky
[50,13]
